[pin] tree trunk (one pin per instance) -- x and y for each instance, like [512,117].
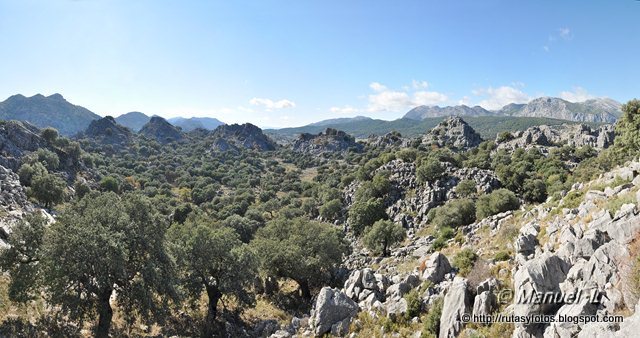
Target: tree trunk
[304,289]
[105,314]
[212,311]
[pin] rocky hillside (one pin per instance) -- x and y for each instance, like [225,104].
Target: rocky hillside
[160,130]
[329,141]
[453,132]
[47,111]
[595,110]
[573,135]
[107,131]
[423,112]
[241,136]
[133,120]
[16,140]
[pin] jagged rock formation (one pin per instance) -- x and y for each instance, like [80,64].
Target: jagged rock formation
[392,139]
[423,112]
[595,110]
[238,136]
[47,111]
[16,139]
[577,135]
[160,130]
[133,120]
[330,141]
[453,132]
[107,131]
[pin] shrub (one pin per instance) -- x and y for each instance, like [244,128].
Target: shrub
[498,201]
[431,326]
[414,303]
[110,183]
[429,170]
[453,214]
[48,189]
[534,190]
[502,256]
[464,261]
[466,188]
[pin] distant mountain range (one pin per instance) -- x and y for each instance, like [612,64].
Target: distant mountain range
[189,124]
[600,110]
[54,111]
[47,111]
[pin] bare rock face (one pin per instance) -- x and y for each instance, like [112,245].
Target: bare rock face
[436,267]
[332,312]
[391,139]
[241,136]
[453,132]
[329,141]
[577,135]
[16,140]
[13,202]
[457,302]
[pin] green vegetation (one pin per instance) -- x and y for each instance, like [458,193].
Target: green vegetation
[382,235]
[431,327]
[464,261]
[498,201]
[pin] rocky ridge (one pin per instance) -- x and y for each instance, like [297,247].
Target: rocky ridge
[578,135]
[329,141]
[160,130]
[237,136]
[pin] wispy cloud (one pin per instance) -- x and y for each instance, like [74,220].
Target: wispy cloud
[561,34]
[269,104]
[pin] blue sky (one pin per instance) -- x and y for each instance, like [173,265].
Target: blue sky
[288,63]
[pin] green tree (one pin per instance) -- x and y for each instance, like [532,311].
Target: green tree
[383,234]
[364,213]
[331,210]
[48,189]
[28,171]
[20,258]
[304,251]
[110,183]
[429,170]
[50,135]
[101,244]
[212,259]
[627,141]
[245,227]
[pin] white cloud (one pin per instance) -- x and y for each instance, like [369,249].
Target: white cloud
[496,98]
[424,98]
[385,99]
[465,100]
[377,87]
[578,94]
[389,101]
[271,105]
[345,110]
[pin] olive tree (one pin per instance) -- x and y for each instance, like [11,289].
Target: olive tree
[212,258]
[104,245]
[302,250]
[383,234]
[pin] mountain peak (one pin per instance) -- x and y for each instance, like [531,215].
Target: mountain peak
[160,130]
[453,131]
